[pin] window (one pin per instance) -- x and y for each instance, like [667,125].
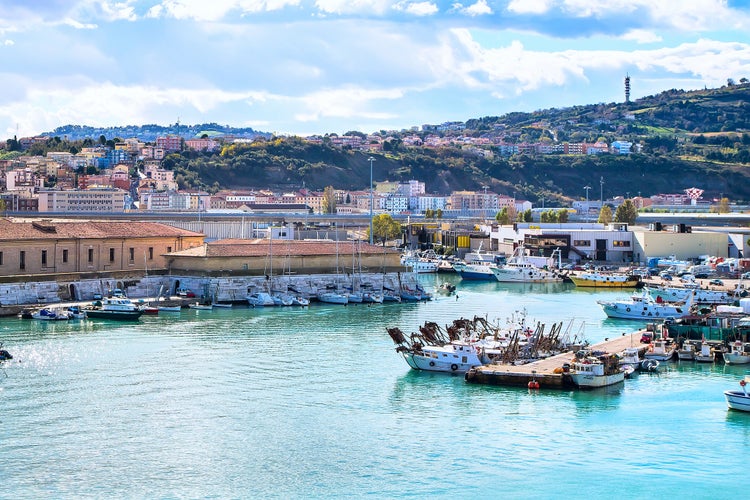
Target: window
[91,255]
[1,258]
[111,254]
[132,254]
[581,243]
[620,243]
[150,253]
[169,249]
[65,256]
[22,260]
[44,258]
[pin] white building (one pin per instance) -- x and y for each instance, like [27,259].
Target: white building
[83,200]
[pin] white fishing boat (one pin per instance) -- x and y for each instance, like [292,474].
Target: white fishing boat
[518,269]
[201,306]
[416,262]
[449,358]
[686,352]
[700,295]
[477,266]
[588,372]
[739,400]
[644,307]
[706,354]
[661,350]
[169,308]
[738,354]
[115,308]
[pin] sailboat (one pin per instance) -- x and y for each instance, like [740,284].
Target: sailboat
[331,295]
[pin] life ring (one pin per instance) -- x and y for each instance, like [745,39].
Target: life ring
[627,309]
[432,363]
[454,367]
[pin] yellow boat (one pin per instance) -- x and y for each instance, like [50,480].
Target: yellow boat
[605,280]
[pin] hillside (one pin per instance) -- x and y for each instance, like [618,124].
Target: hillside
[687,139]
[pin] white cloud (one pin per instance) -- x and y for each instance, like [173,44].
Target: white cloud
[529,6]
[345,102]
[417,8]
[214,10]
[8,42]
[641,36]
[480,8]
[378,7]
[78,25]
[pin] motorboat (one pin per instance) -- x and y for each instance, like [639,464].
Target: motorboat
[686,352]
[660,350]
[4,355]
[115,308]
[588,371]
[76,312]
[369,297]
[418,263]
[169,308]
[739,400]
[706,354]
[644,307]
[298,300]
[599,279]
[738,354]
[199,306]
[477,266]
[701,295]
[282,299]
[48,314]
[260,299]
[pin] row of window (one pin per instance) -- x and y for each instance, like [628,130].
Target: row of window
[65,256]
[587,243]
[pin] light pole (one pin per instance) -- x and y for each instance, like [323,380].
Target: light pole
[371,159]
[587,188]
[601,192]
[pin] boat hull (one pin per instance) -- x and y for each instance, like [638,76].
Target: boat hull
[114,315]
[589,381]
[427,363]
[737,400]
[603,283]
[736,359]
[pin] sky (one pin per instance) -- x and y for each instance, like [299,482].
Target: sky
[332,66]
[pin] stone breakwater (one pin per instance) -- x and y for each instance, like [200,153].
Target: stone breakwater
[16,296]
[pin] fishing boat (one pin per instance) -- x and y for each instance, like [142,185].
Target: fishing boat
[701,295]
[598,279]
[660,350]
[644,307]
[418,263]
[169,308]
[477,266]
[518,269]
[200,306]
[115,308]
[706,354]
[738,354]
[686,352]
[588,371]
[739,400]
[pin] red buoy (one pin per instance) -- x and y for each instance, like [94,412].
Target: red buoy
[533,384]
[742,383]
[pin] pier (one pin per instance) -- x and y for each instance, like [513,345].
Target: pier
[548,371]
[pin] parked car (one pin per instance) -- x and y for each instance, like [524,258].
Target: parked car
[745,276]
[666,276]
[716,282]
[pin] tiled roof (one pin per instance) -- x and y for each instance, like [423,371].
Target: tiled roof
[47,229]
[261,248]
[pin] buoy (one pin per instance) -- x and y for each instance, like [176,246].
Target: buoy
[533,384]
[742,383]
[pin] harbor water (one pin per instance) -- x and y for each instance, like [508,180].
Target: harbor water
[316,403]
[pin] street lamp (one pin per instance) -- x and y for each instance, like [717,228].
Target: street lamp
[587,188]
[601,191]
[371,159]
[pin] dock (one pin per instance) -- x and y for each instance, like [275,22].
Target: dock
[548,371]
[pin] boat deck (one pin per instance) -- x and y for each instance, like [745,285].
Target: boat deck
[543,371]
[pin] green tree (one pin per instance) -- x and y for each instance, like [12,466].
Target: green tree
[626,212]
[384,228]
[562,215]
[429,213]
[439,213]
[605,215]
[528,215]
[503,217]
[329,200]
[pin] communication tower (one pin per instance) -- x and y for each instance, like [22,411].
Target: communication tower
[627,88]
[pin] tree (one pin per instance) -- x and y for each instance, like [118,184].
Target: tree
[605,215]
[329,200]
[384,228]
[722,207]
[626,212]
[439,213]
[562,215]
[503,217]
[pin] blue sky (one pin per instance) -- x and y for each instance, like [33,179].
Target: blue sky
[324,66]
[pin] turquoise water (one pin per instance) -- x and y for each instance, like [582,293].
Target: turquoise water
[301,403]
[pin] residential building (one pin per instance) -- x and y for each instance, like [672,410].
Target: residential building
[101,200]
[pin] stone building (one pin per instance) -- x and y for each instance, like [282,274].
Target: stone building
[31,251]
[277,257]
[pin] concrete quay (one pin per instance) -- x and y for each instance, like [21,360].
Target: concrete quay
[544,370]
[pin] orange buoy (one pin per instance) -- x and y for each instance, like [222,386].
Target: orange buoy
[742,383]
[533,384]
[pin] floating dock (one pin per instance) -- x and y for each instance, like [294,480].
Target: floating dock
[546,372]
